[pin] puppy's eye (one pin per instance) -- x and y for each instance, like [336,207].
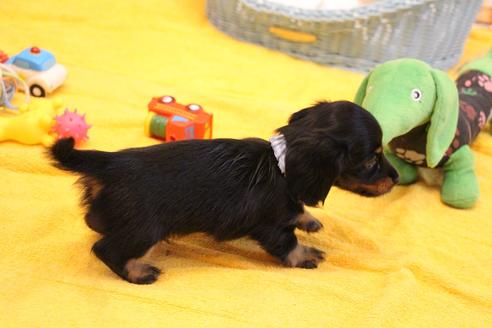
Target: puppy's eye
[369,164]
[416,94]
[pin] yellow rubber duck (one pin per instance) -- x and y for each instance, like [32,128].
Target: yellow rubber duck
[33,125]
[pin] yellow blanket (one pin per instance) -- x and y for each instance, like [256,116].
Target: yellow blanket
[402,260]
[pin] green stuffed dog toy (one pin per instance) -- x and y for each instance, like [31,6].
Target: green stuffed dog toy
[429,121]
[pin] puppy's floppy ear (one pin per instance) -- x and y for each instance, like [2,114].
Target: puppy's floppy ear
[299,115]
[312,165]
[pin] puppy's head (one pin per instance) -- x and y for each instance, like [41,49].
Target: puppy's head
[336,143]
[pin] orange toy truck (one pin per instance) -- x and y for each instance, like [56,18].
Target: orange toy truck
[171,121]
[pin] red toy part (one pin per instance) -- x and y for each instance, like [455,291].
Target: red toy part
[35,50]
[3,57]
[170,121]
[71,124]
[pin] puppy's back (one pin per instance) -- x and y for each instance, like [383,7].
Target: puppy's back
[202,184]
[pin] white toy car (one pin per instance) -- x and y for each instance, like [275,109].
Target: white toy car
[39,69]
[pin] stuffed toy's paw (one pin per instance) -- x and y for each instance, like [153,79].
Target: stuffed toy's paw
[408,173]
[456,194]
[460,187]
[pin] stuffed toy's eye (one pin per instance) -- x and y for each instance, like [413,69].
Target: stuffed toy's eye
[416,94]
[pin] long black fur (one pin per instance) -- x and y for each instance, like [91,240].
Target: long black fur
[226,188]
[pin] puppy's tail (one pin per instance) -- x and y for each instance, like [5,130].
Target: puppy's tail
[91,162]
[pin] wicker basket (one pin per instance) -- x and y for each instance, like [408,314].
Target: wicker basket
[360,38]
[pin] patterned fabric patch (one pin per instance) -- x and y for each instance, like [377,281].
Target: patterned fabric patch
[475,110]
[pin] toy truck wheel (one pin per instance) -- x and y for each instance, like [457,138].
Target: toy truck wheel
[37,91]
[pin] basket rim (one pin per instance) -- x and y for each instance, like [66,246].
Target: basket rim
[370,10]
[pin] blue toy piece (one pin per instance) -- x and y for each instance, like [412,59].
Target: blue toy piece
[33,58]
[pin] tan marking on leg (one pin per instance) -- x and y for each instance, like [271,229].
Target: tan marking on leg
[140,272]
[305,218]
[295,256]
[135,269]
[92,187]
[305,257]
[307,222]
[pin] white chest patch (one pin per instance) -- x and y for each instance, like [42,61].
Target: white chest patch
[279,147]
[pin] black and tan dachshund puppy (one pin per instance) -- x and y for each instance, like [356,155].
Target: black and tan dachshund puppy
[227,188]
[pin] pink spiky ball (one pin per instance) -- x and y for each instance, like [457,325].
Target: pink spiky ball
[71,124]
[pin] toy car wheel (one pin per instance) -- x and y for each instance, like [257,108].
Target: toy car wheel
[37,91]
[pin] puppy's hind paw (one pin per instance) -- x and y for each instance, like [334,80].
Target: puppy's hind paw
[141,273]
[304,257]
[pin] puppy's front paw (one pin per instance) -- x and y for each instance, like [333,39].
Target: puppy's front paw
[308,223]
[304,257]
[310,226]
[141,273]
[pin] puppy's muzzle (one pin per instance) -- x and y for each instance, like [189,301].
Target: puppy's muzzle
[378,188]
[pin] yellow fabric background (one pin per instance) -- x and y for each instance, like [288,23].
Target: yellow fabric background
[402,260]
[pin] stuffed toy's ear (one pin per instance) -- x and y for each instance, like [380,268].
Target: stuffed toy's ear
[444,119]
[361,92]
